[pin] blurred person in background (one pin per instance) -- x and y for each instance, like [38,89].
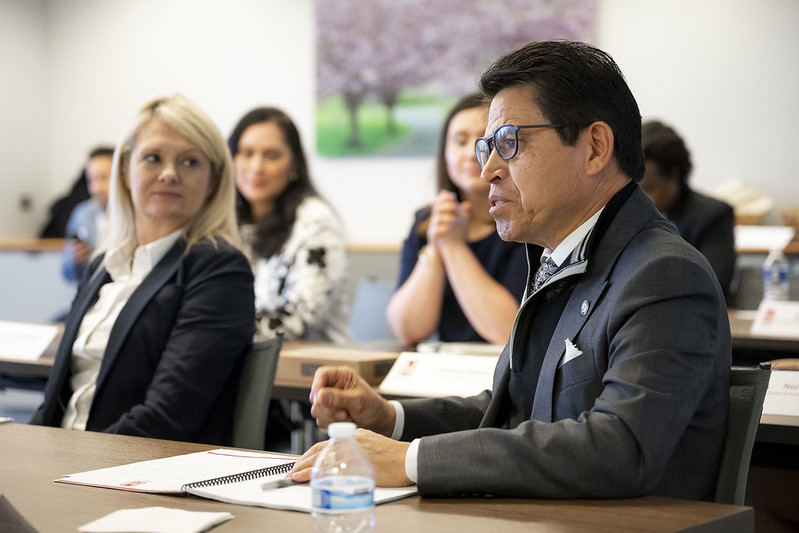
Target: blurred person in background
[294,238]
[706,223]
[458,278]
[87,223]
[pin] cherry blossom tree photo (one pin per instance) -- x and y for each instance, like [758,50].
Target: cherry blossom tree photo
[388,70]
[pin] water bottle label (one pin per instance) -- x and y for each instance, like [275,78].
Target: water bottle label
[775,275]
[343,494]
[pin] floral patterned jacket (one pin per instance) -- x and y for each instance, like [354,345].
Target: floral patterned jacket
[302,292]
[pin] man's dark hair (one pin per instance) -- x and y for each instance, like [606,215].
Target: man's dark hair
[664,147]
[575,85]
[101,150]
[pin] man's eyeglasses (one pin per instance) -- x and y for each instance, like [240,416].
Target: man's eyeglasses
[505,140]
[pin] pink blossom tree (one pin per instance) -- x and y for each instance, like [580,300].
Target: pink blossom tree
[384,47]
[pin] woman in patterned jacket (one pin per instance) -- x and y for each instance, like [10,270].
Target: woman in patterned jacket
[294,239]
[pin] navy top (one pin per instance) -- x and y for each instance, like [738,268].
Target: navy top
[506,262]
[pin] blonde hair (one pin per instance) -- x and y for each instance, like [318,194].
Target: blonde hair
[216,218]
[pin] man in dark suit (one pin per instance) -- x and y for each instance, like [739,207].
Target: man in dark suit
[706,223]
[615,380]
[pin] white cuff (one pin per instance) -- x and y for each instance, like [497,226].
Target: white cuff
[399,421]
[411,463]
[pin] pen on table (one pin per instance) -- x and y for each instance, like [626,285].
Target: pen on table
[277,483]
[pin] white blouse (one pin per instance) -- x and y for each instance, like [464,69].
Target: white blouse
[302,291]
[127,270]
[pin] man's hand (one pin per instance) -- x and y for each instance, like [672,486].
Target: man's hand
[387,457]
[338,394]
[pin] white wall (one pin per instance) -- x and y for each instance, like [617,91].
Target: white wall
[723,72]
[23,111]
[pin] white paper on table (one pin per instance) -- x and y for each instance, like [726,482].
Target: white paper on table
[23,341]
[439,374]
[464,348]
[777,318]
[762,237]
[155,520]
[782,397]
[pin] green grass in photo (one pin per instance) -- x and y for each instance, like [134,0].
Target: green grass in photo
[332,129]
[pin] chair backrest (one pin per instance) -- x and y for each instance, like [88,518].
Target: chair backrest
[747,391]
[255,390]
[368,316]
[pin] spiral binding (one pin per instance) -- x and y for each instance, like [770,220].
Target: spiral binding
[244,476]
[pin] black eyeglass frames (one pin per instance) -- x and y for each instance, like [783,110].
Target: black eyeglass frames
[505,140]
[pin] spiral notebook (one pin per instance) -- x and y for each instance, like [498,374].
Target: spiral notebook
[232,476]
[173,475]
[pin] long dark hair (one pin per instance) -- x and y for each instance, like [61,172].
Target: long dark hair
[443,179]
[274,230]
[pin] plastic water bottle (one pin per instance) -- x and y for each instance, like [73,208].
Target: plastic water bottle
[342,484]
[776,276]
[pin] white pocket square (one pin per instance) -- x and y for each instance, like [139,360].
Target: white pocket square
[572,351]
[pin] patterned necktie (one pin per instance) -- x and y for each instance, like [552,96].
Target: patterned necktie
[544,272]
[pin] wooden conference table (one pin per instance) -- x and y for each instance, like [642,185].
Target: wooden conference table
[32,457]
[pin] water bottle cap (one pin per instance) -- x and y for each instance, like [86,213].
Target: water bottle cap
[341,430]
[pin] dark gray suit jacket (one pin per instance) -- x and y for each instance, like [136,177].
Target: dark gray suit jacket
[173,359]
[642,411]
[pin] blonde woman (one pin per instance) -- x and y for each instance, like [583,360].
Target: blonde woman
[153,343]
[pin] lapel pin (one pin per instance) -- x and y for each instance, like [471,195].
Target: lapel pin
[584,308]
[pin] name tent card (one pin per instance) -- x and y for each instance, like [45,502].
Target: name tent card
[439,374]
[777,318]
[782,397]
[762,237]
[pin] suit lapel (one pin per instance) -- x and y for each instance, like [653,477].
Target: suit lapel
[83,301]
[151,284]
[85,298]
[587,293]
[499,392]
[571,322]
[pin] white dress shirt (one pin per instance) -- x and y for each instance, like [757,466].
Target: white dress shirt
[575,241]
[127,270]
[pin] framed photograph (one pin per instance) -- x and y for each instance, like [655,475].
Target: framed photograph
[388,70]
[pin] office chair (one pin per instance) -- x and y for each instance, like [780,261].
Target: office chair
[747,391]
[255,390]
[368,315]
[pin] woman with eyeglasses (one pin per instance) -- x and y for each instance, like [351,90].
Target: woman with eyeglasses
[294,238]
[457,277]
[154,343]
